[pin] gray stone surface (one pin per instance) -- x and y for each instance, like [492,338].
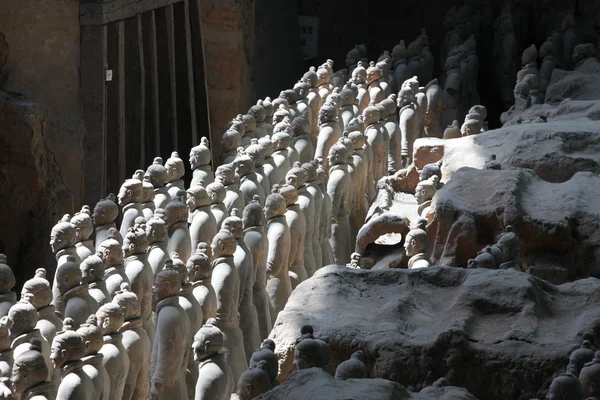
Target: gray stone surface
[500,334]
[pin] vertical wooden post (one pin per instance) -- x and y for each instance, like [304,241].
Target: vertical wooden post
[156,103]
[121,78]
[143,91]
[190,74]
[170,19]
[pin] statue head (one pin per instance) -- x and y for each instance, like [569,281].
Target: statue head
[105,211]
[356,124]
[226,174]
[349,94]
[530,55]
[275,206]
[91,335]
[311,170]
[347,143]
[39,288]
[581,356]
[289,192]
[353,57]
[200,155]
[258,112]
[67,345]
[299,173]
[565,386]
[253,215]
[431,169]
[268,106]
[426,189]
[280,103]
[582,52]
[310,77]
[216,192]
[63,235]
[327,114]
[223,244]
[110,250]
[231,140]
[267,355]
[197,196]
[471,126]
[147,187]
[92,269]
[156,228]
[415,242]
[358,139]
[6,325]
[176,211]
[256,152]
[234,224]
[509,244]
[208,341]
[156,173]
[479,109]
[353,368]
[109,318]
[338,154]
[302,88]
[131,192]
[399,52]
[244,165]
[300,125]
[290,95]
[307,354]
[135,240]
[281,140]
[237,124]
[590,377]
[484,259]
[254,382]
[373,73]
[7,278]
[282,122]
[68,275]
[198,265]
[175,167]
[371,114]
[359,75]
[29,368]
[267,146]
[249,122]
[84,226]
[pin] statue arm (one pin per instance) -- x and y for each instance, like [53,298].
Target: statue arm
[275,255]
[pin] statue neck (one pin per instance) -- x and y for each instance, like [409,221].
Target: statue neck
[131,324]
[255,228]
[112,338]
[78,290]
[177,225]
[43,390]
[129,206]
[73,366]
[172,300]
[93,359]
[221,259]
[47,311]
[67,251]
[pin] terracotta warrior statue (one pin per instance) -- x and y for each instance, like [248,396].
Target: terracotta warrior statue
[92,274]
[249,185]
[226,282]
[8,298]
[256,242]
[338,190]
[408,123]
[230,142]
[62,242]
[530,67]
[30,374]
[278,234]
[548,66]
[193,309]
[566,386]
[256,153]
[147,198]
[581,356]
[111,254]
[116,360]
[48,322]
[254,382]
[6,352]
[329,131]
[354,368]
[175,172]
[250,130]
[424,193]
[157,175]
[281,155]
[139,272]
[590,378]
[77,303]
[217,193]
[349,104]
[269,164]
[176,219]
[244,263]
[297,224]
[130,201]
[297,177]
[263,115]
[376,143]
[311,353]
[301,106]
[199,274]
[324,223]
[203,224]
[233,198]
[374,75]
[137,343]
[200,158]
[389,118]
[313,189]
[104,216]
[359,178]
[266,354]
[158,241]
[301,138]
[452,91]
[359,77]
[415,245]
[313,99]
[84,228]
[92,359]
[509,244]
[215,377]
[435,102]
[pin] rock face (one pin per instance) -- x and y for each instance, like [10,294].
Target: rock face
[500,334]
[316,384]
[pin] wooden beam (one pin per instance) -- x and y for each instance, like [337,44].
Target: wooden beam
[155,93]
[190,74]
[172,73]
[122,122]
[95,13]
[143,91]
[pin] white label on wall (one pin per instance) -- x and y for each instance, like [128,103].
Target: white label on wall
[309,36]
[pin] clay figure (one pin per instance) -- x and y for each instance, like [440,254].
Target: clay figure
[175,172]
[311,353]
[359,179]
[374,75]
[175,218]
[199,274]
[249,185]
[110,318]
[297,224]
[203,224]
[147,199]
[104,216]
[92,360]
[157,175]
[338,190]
[130,201]
[77,303]
[589,378]
[92,274]
[30,374]
[6,352]
[158,241]
[254,382]
[566,386]
[200,158]
[301,139]
[215,380]
[47,321]
[67,351]
[359,76]
[313,189]
[256,153]
[266,354]
[389,118]
[580,357]
[408,123]
[226,175]
[230,142]
[329,132]
[354,368]
[375,138]
[415,245]
[281,141]
[62,243]
[84,227]
[8,298]
[509,244]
